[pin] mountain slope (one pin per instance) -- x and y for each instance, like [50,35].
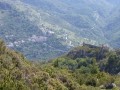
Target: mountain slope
[80,19]
[46,29]
[20,32]
[17,73]
[63,73]
[87,18]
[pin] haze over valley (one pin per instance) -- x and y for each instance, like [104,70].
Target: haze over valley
[44,29]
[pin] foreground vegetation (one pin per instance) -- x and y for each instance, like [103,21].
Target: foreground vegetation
[80,69]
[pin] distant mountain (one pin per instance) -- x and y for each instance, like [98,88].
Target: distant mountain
[114,2]
[21,31]
[80,17]
[112,29]
[44,29]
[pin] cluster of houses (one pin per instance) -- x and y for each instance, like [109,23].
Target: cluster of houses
[33,38]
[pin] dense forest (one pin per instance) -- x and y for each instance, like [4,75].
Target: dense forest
[85,67]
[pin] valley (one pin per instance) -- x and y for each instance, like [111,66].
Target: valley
[49,29]
[59,45]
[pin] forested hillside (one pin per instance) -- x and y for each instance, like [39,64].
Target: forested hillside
[21,32]
[89,68]
[44,29]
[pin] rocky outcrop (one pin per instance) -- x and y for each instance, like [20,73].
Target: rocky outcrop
[87,50]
